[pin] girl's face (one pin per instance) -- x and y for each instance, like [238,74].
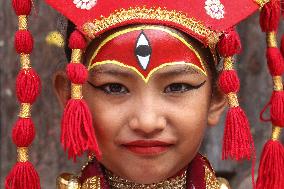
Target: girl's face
[149,123]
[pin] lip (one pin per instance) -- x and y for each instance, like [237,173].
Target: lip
[147,147]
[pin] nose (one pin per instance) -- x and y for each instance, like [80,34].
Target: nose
[148,117]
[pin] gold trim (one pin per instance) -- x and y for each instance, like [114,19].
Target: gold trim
[261,3]
[76,55]
[23,155]
[277,83]
[92,28]
[151,72]
[23,22]
[76,91]
[276,132]
[67,181]
[25,111]
[233,100]
[25,61]
[210,179]
[271,39]
[229,63]
[92,183]
[111,37]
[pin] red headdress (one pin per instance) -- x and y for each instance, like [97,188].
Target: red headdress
[209,21]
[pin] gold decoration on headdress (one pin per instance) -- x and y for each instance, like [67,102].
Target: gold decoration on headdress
[276,131]
[67,181]
[277,83]
[76,91]
[76,55]
[25,111]
[122,15]
[55,38]
[25,61]
[210,179]
[92,183]
[224,184]
[261,3]
[228,63]
[271,39]
[233,100]
[23,155]
[23,22]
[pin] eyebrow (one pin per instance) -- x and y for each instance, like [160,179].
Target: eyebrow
[179,71]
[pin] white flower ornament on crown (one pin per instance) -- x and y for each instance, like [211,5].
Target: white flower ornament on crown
[85,4]
[214,8]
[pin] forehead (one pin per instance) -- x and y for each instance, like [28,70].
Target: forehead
[146,49]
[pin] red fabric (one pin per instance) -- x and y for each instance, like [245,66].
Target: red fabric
[270,15]
[235,11]
[23,42]
[271,169]
[77,131]
[28,86]
[275,61]
[77,41]
[23,132]
[77,73]
[229,81]
[22,176]
[238,142]
[122,49]
[22,7]
[229,44]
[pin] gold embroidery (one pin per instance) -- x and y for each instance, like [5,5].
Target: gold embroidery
[122,15]
[92,183]
[233,100]
[23,155]
[261,3]
[271,39]
[67,181]
[25,61]
[276,131]
[76,91]
[76,55]
[23,22]
[277,83]
[111,37]
[210,179]
[25,111]
[116,182]
[151,72]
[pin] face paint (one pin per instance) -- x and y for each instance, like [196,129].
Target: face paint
[145,50]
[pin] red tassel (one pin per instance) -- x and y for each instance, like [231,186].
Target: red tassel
[271,169]
[238,142]
[275,61]
[22,7]
[77,132]
[22,176]
[77,40]
[229,44]
[27,85]
[23,132]
[77,73]
[270,15]
[229,81]
[277,108]
[23,42]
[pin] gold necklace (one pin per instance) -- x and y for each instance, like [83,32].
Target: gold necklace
[178,182]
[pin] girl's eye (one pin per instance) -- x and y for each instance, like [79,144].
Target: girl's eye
[112,88]
[181,87]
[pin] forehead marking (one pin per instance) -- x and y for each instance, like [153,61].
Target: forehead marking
[148,27]
[143,50]
[151,73]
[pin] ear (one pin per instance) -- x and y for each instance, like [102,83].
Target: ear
[217,107]
[62,87]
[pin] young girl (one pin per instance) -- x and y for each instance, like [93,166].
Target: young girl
[143,90]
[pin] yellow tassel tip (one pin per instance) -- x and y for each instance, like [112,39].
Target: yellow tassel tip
[55,38]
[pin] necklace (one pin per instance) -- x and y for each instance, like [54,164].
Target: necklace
[178,182]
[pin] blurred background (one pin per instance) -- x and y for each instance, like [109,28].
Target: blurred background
[46,152]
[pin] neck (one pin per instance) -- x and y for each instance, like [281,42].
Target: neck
[116,182]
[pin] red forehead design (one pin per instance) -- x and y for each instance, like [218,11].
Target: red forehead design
[145,50]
